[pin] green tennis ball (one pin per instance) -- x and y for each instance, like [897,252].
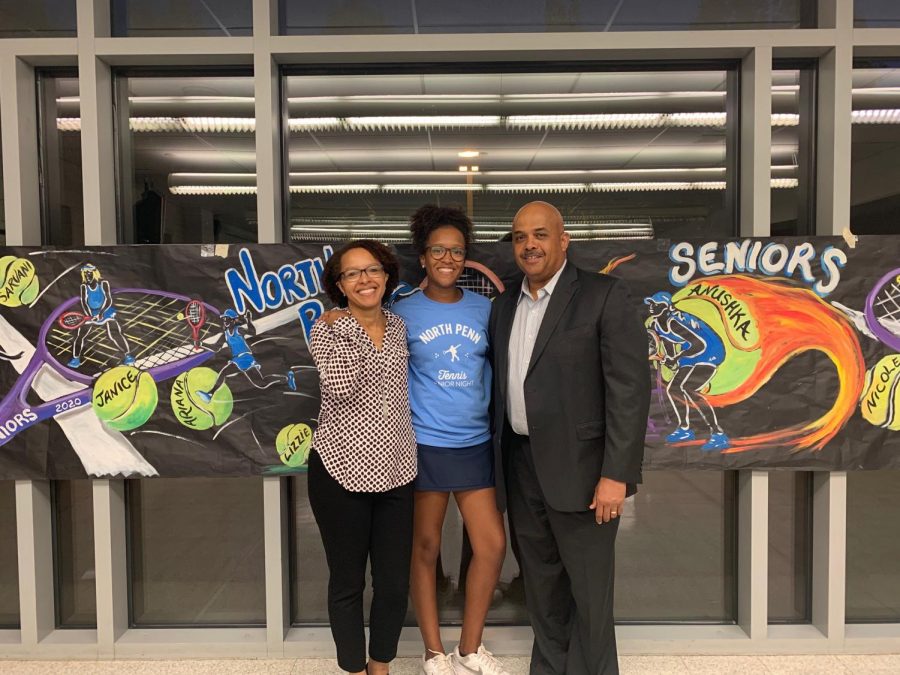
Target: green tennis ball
[293,443]
[18,281]
[124,397]
[190,409]
[881,393]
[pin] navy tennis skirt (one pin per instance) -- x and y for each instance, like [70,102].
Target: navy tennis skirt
[455,469]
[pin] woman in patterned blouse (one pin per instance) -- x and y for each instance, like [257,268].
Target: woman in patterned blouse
[362,468]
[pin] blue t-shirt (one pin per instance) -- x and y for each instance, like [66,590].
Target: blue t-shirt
[449,372]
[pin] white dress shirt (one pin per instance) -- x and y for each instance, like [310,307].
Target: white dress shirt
[527,322]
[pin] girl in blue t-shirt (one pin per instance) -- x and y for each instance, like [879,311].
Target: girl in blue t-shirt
[450,388]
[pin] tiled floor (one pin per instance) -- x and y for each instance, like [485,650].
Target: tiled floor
[857,665]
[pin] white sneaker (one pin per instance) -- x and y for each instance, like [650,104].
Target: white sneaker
[439,664]
[481,662]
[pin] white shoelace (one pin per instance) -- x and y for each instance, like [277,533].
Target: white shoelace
[442,663]
[490,665]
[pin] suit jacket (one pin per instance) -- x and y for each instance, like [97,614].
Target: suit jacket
[587,388]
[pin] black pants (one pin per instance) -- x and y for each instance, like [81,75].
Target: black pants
[357,527]
[567,563]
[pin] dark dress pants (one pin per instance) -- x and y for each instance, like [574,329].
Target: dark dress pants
[358,527]
[567,563]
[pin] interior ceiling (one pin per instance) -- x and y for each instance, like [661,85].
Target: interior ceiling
[546,155]
[436,149]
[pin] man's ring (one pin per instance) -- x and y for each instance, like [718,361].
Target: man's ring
[613,513]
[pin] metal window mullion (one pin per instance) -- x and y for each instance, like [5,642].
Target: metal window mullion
[267,92]
[829,554]
[833,130]
[34,530]
[110,563]
[275,519]
[18,120]
[756,143]
[753,553]
[97,154]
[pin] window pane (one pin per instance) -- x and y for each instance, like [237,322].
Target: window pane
[2,205]
[9,557]
[188,163]
[876,13]
[196,551]
[537,16]
[873,549]
[875,164]
[73,512]
[62,208]
[790,542]
[137,18]
[650,151]
[675,557]
[675,553]
[37,18]
[793,125]
[309,572]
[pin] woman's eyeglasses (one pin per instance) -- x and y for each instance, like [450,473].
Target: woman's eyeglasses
[438,252]
[372,271]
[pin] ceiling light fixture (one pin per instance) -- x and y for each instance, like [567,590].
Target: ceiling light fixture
[426,187]
[536,187]
[421,122]
[643,186]
[334,189]
[599,121]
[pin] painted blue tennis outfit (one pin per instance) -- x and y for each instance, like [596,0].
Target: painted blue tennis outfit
[449,390]
[241,355]
[714,350]
[96,298]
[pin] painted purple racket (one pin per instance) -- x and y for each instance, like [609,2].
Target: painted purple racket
[160,341]
[883,309]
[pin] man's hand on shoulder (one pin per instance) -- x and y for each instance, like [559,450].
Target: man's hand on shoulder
[609,500]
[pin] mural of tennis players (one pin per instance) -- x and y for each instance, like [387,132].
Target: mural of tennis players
[97,305]
[692,351]
[235,331]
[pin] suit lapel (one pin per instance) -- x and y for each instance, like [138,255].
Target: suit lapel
[506,306]
[559,300]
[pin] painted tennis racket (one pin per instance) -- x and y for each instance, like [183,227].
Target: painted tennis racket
[655,350]
[195,316]
[477,278]
[882,310]
[72,320]
[161,343]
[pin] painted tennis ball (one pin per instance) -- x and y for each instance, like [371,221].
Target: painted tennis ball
[734,320]
[18,282]
[124,397]
[881,394]
[293,443]
[190,409]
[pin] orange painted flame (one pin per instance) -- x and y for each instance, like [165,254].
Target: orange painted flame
[793,320]
[615,262]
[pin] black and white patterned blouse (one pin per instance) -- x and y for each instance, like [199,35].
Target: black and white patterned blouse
[364,436]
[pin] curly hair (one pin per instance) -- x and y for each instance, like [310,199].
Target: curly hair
[430,217]
[331,273]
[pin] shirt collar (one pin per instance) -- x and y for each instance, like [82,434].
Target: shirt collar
[548,287]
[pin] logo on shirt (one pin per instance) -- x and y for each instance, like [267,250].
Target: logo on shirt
[454,353]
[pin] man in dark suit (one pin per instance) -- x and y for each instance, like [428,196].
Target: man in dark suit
[571,396]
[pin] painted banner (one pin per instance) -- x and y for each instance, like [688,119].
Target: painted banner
[189,360]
